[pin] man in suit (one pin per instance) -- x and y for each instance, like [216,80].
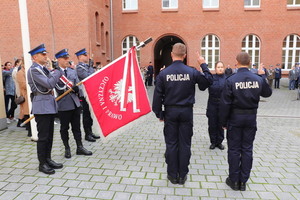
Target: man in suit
[84,70]
[69,107]
[150,72]
[277,75]
[44,106]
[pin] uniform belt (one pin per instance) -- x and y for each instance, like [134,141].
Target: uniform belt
[244,111]
[214,99]
[179,106]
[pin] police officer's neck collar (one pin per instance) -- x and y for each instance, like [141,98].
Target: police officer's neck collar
[177,60]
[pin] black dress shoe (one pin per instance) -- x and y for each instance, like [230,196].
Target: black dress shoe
[54,165]
[68,153]
[212,146]
[45,168]
[181,181]
[83,151]
[233,185]
[220,146]
[95,136]
[172,180]
[243,186]
[89,138]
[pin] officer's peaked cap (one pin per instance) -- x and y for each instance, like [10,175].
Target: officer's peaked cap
[39,49]
[81,52]
[62,54]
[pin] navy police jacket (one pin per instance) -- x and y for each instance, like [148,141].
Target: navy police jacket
[216,88]
[175,86]
[242,91]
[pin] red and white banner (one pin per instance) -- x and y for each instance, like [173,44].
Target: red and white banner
[66,81]
[117,94]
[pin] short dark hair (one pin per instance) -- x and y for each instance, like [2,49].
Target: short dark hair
[243,58]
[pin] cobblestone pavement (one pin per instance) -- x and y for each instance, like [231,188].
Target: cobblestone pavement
[131,166]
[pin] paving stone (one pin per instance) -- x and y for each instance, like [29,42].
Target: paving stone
[25,196]
[266,195]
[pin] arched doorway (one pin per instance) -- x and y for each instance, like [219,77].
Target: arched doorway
[162,51]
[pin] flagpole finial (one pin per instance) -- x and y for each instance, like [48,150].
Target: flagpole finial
[143,44]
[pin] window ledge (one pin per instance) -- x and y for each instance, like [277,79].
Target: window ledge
[293,7]
[252,9]
[169,10]
[129,11]
[103,52]
[98,44]
[211,9]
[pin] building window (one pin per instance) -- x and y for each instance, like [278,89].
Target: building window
[107,45]
[97,28]
[210,49]
[251,45]
[173,4]
[128,42]
[291,51]
[252,3]
[210,3]
[130,4]
[293,2]
[102,38]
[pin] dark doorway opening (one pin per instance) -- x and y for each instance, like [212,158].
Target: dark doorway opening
[162,52]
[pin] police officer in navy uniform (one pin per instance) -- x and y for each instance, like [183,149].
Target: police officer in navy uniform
[175,89]
[44,106]
[215,130]
[238,108]
[83,71]
[69,107]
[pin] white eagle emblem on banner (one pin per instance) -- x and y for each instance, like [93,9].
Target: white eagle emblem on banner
[115,94]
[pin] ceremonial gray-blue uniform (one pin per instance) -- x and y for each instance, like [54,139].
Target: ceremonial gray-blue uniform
[44,107]
[69,108]
[175,89]
[238,108]
[83,71]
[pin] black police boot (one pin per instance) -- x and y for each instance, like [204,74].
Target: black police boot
[92,134]
[233,185]
[89,138]
[68,153]
[172,179]
[243,186]
[45,168]
[53,164]
[181,181]
[220,146]
[212,146]
[83,151]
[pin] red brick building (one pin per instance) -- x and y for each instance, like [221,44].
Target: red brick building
[269,30]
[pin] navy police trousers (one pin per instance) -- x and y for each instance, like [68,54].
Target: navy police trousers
[241,132]
[178,132]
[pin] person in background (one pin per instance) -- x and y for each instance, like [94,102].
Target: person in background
[271,75]
[253,69]
[17,67]
[292,78]
[215,130]
[228,70]
[150,72]
[24,108]
[10,92]
[277,76]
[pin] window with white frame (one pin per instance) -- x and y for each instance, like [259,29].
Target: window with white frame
[173,4]
[210,49]
[251,45]
[130,4]
[291,51]
[252,3]
[128,42]
[210,3]
[293,2]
